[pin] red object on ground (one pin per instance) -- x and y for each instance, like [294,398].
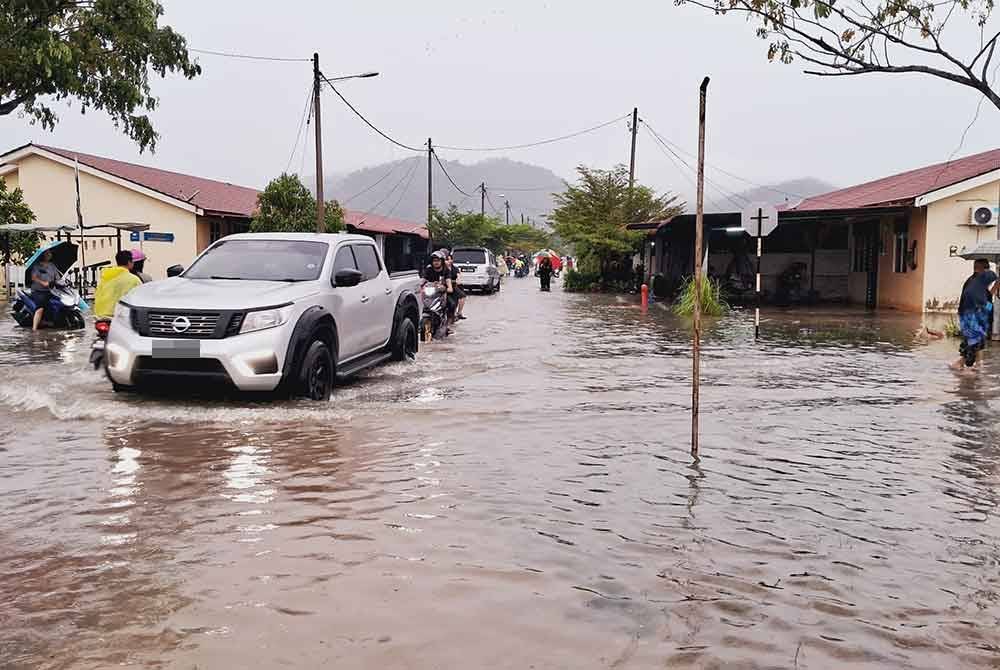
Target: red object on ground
[645,297]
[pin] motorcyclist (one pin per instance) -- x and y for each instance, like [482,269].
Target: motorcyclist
[139,264]
[437,273]
[114,283]
[457,299]
[44,275]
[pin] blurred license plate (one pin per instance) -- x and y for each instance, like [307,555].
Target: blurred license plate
[176,348]
[467,269]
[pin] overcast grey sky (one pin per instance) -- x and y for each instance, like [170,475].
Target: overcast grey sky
[472,73]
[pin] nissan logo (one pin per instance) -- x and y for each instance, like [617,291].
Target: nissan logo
[181,324]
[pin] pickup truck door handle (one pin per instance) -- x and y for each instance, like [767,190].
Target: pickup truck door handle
[364,298]
[388,291]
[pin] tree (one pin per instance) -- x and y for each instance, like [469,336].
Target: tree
[453,228]
[840,39]
[287,206]
[98,52]
[592,215]
[15,247]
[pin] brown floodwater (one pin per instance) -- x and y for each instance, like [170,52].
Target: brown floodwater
[521,497]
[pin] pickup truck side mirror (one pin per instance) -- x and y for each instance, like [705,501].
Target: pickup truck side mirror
[175,270]
[347,277]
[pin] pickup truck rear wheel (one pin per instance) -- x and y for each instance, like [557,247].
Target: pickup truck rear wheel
[316,375]
[404,343]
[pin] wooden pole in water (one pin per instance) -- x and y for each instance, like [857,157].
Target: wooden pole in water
[698,223]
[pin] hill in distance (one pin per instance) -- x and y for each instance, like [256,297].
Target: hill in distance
[791,191]
[399,188]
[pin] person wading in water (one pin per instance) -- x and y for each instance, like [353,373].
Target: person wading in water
[975,312]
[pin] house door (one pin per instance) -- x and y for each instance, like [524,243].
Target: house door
[866,249]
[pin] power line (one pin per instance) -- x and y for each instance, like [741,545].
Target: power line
[539,142]
[413,173]
[302,121]
[441,165]
[381,179]
[728,195]
[393,189]
[716,167]
[367,122]
[492,206]
[677,166]
[249,57]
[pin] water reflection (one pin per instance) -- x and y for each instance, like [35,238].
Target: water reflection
[528,478]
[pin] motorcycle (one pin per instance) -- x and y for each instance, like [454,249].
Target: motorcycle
[102,326]
[434,318]
[64,308]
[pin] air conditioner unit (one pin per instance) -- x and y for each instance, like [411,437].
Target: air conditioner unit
[984,216]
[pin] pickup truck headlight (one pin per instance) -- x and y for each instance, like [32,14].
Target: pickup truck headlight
[122,316]
[262,319]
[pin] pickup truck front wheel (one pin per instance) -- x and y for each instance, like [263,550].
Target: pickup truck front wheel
[316,375]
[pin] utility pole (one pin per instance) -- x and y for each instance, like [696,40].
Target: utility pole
[507,205]
[430,184]
[320,203]
[698,222]
[522,218]
[482,200]
[631,163]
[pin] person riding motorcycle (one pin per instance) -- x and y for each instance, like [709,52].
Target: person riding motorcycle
[139,264]
[437,272]
[114,284]
[456,303]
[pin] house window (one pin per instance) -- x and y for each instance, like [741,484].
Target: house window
[216,232]
[901,245]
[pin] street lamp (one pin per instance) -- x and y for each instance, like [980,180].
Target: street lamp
[363,75]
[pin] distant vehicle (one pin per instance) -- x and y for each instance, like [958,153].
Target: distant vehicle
[477,268]
[287,312]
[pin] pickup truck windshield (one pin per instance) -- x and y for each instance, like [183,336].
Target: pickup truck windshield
[260,260]
[470,256]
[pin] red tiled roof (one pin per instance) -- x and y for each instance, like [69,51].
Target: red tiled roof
[903,188]
[216,197]
[374,223]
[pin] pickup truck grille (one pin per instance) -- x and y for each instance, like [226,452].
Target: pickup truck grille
[162,324]
[202,325]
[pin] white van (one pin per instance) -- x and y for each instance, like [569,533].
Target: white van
[477,267]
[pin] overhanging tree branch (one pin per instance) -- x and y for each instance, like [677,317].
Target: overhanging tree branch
[847,38]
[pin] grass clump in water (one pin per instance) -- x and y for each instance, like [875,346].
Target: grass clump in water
[712,302]
[952,329]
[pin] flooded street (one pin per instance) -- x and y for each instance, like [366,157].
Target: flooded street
[522,496]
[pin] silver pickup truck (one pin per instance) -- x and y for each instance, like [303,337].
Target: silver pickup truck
[287,312]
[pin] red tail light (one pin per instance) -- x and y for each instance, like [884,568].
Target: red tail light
[102,327]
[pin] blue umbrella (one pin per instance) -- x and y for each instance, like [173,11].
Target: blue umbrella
[64,255]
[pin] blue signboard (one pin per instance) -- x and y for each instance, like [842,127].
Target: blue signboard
[133,236]
[158,237]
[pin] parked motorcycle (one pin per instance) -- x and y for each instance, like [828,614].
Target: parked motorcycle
[434,318]
[62,311]
[102,326]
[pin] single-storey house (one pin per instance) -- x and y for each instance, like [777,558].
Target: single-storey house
[890,243]
[184,213]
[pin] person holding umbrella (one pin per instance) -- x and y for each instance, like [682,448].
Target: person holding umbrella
[544,272]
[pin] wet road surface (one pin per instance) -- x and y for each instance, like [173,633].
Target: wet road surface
[520,497]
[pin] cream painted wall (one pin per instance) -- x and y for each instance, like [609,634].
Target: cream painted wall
[902,290]
[944,275]
[50,191]
[11,179]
